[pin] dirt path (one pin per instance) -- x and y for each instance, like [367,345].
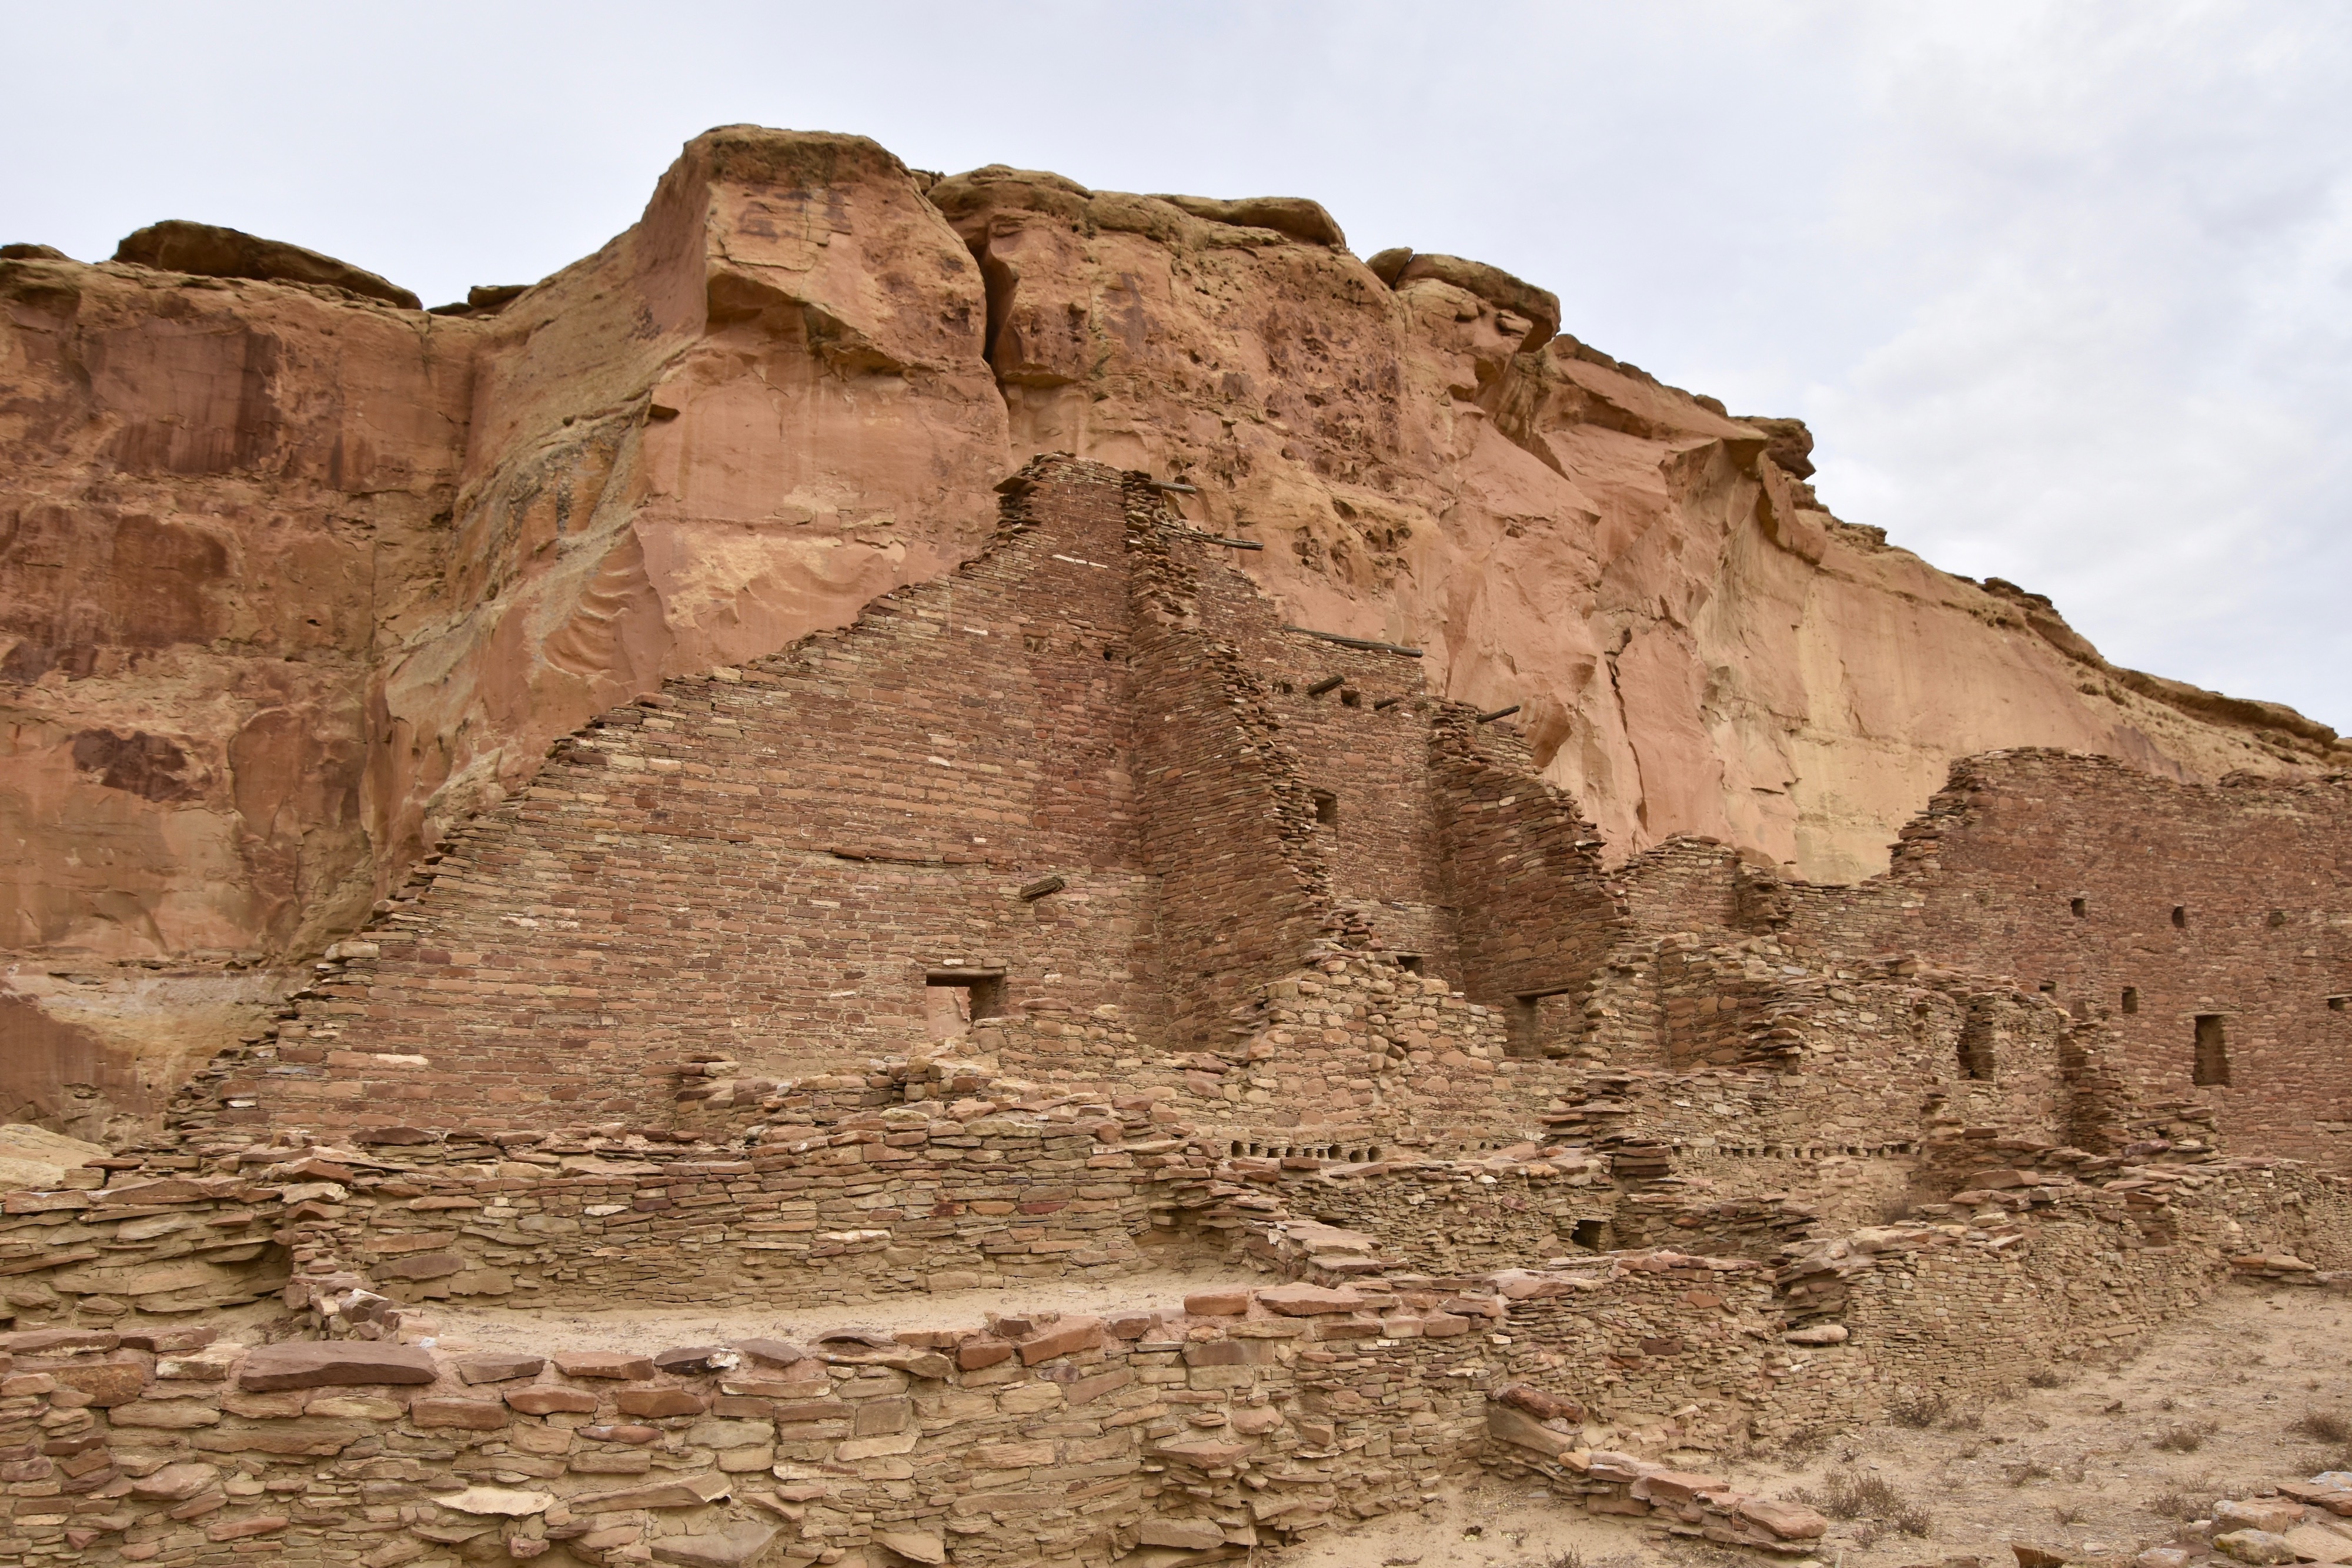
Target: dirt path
[2101,1465]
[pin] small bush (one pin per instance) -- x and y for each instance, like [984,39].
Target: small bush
[2328,1426]
[1918,1413]
[2031,1471]
[1969,1420]
[1844,1495]
[2184,1437]
[2179,1505]
[2069,1513]
[2046,1377]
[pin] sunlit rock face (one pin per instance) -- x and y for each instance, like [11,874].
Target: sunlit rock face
[294,577]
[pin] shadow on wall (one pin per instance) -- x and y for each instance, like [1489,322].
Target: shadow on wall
[60,1076]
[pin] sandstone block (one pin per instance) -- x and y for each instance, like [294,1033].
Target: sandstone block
[2253,1546]
[1517,1426]
[2272,1515]
[1229,1304]
[732,1547]
[913,1545]
[171,1416]
[1202,1453]
[1070,1334]
[174,1483]
[498,1500]
[604,1363]
[2316,1543]
[548,1401]
[108,1383]
[1308,1300]
[1781,1519]
[975,1353]
[1184,1535]
[311,1364]
[1542,1405]
[468,1414]
[684,1491]
[499,1368]
[658,1402]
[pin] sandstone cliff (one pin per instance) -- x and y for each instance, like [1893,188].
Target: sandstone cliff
[293,576]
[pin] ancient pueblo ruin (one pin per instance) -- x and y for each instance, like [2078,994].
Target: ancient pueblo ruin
[1247,888]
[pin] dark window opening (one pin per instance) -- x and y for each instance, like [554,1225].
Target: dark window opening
[2180,916]
[2049,987]
[1409,962]
[2337,1004]
[2212,1051]
[1285,687]
[1593,1235]
[955,999]
[2131,999]
[1976,1046]
[2278,918]
[2080,907]
[1352,699]
[1327,809]
[1531,1034]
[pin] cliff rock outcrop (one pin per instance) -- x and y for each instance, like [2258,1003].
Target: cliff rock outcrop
[294,576]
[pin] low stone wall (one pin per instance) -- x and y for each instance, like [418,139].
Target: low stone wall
[1252,1419]
[145,1253]
[1250,1416]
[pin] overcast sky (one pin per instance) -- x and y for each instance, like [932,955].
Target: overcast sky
[2062,288]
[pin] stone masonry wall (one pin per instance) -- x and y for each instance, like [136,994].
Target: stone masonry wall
[2225,902]
[1522,874]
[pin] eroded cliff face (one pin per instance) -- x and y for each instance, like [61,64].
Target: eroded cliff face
[293,578]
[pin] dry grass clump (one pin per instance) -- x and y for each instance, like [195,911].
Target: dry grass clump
[1845,1495]
[2177,1505]
[1917,1412]
[2046,1377]
[2185,1436]
[2328,1426]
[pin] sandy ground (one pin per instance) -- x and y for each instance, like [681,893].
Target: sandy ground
[2075,1468]
[654,1328]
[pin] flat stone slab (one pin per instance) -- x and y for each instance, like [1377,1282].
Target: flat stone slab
[318,1363]
[729,1548]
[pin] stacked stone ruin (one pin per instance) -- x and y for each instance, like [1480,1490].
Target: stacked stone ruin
[1071,917]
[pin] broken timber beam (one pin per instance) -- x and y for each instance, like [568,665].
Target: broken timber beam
[1355,641]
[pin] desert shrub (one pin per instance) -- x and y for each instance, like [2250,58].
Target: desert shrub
[1917,1412]
[2184,1437]
[2176,1505]
[2027,1470]
[2046,1377]
[2328,1426]
[1845,1495]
